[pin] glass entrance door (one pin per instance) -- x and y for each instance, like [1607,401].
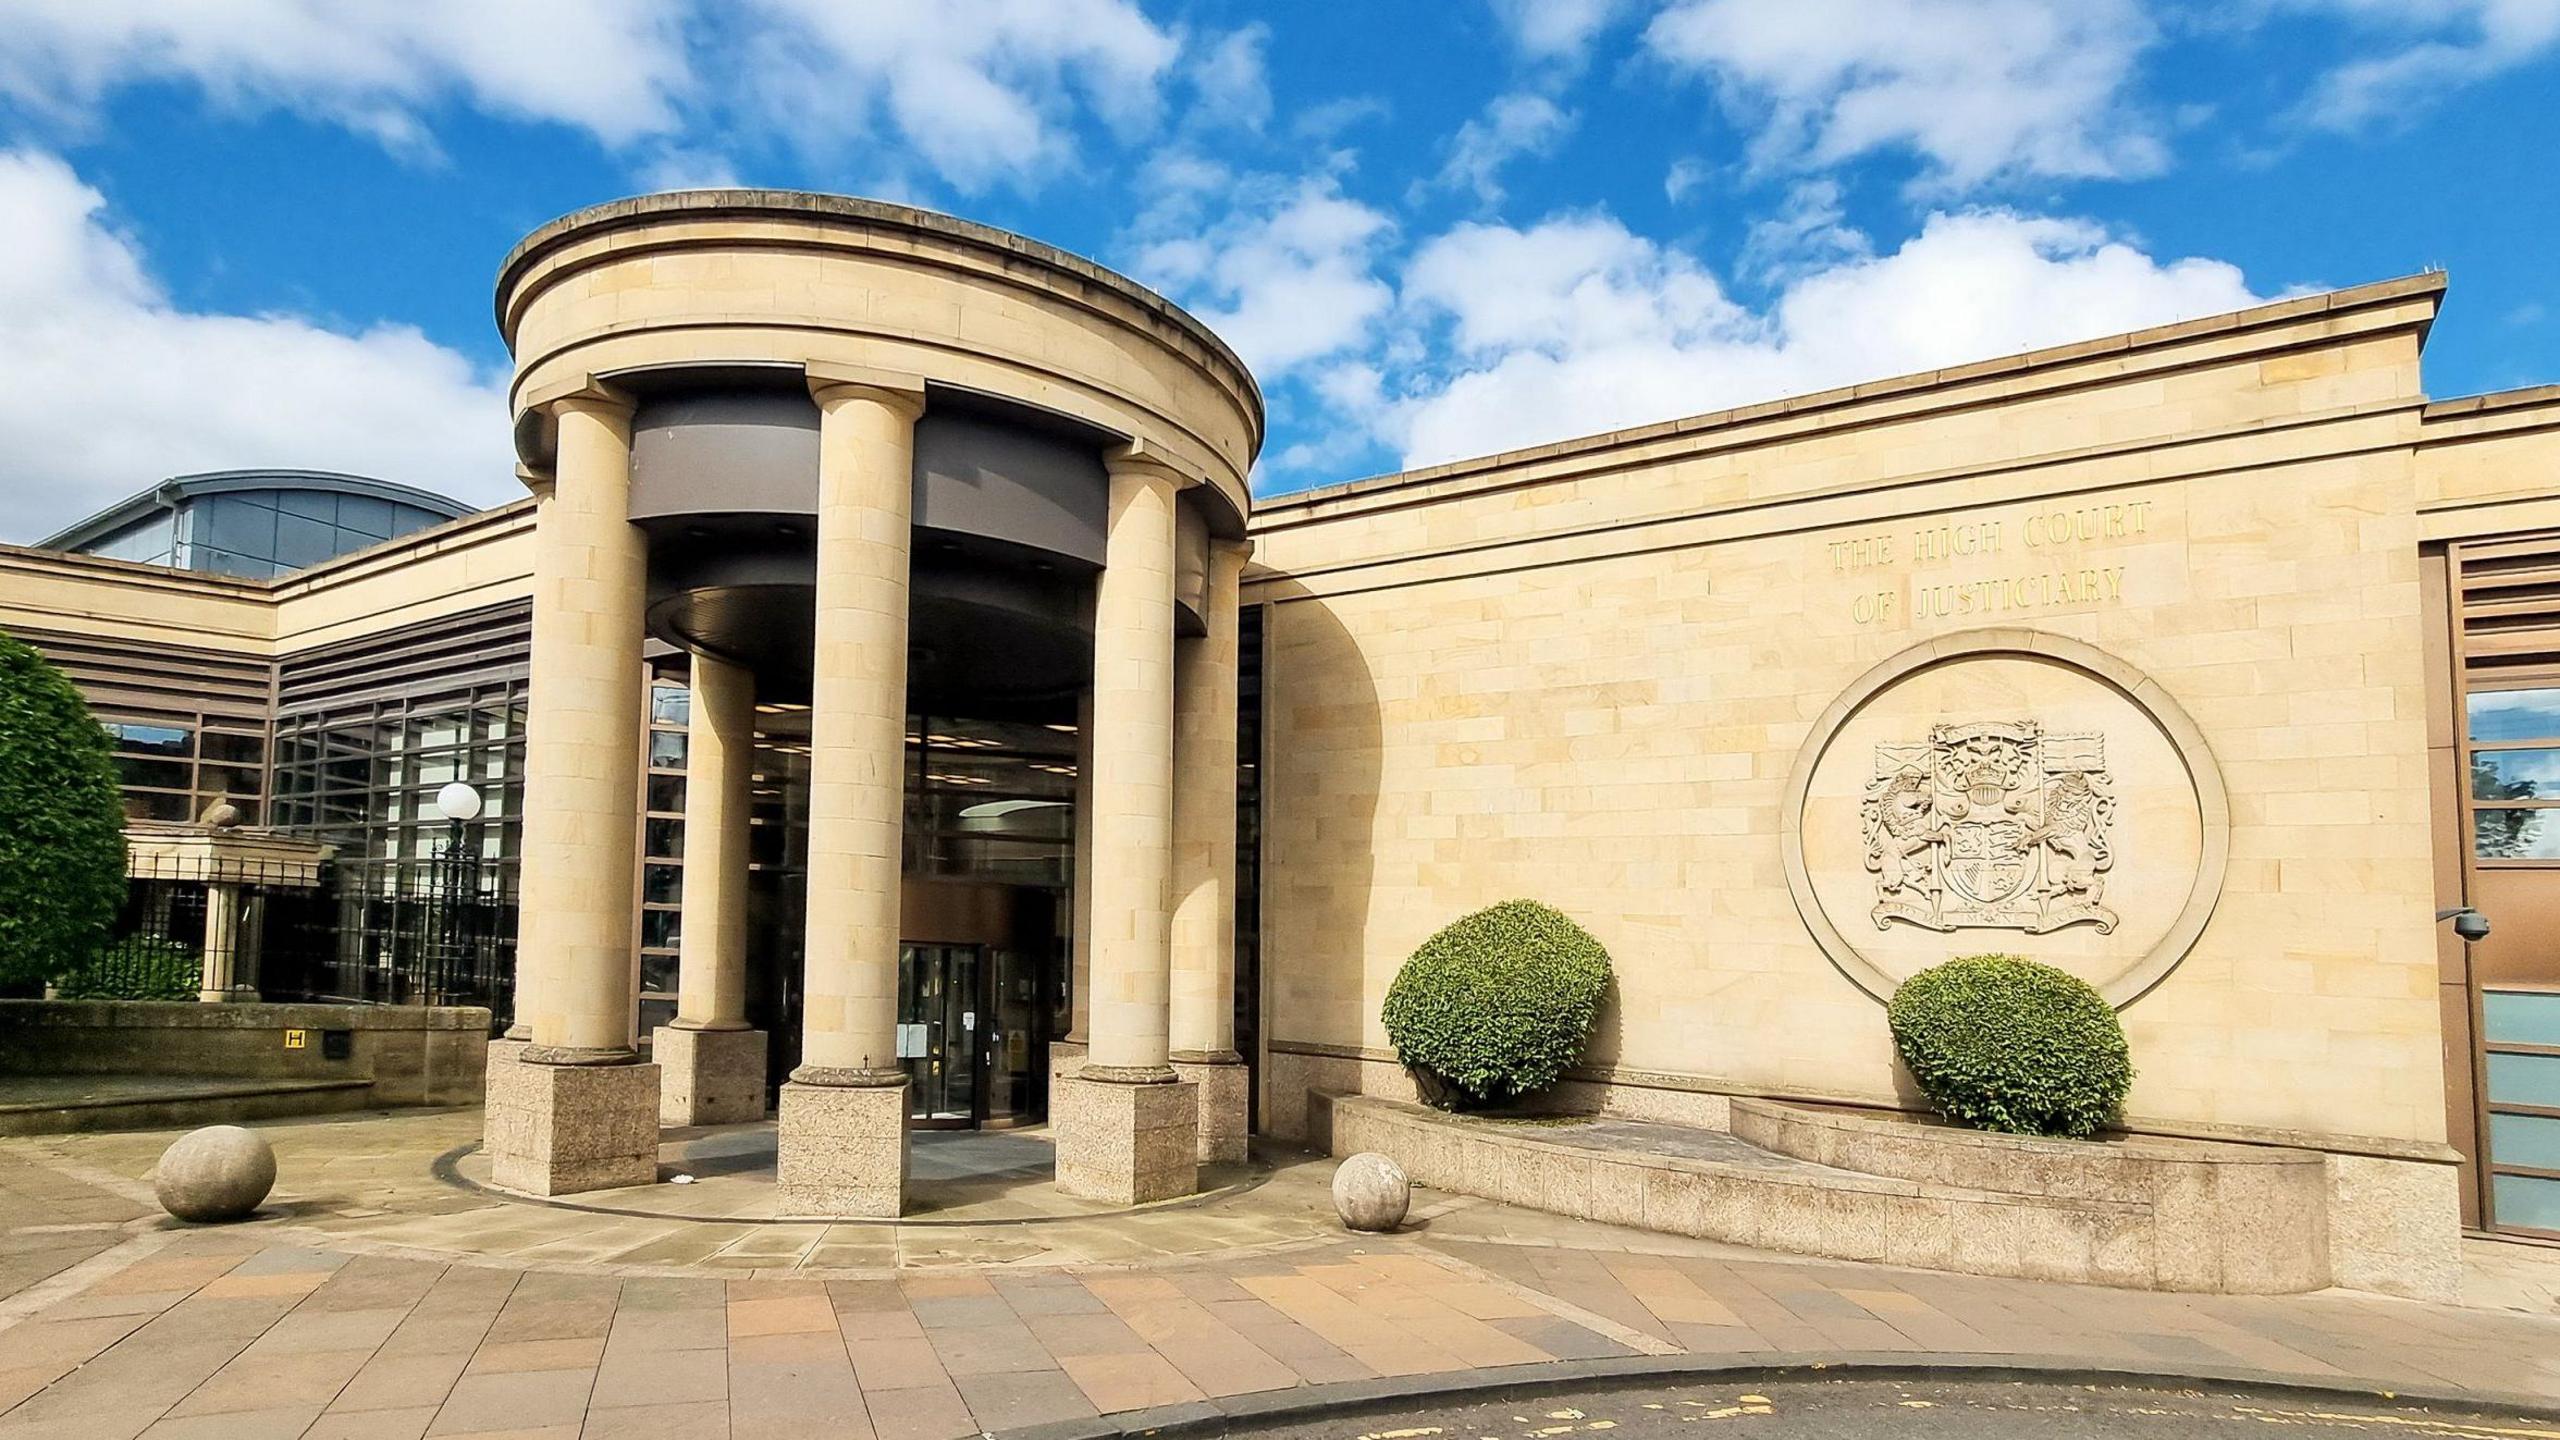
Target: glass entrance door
[1013,1002]
[968,1018]
[939,1016]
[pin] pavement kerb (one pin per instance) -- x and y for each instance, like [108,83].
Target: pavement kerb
[447,1169]
[1269,1408]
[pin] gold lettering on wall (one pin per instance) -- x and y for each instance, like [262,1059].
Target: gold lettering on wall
[2095,522]
[1863,553]
[2041,531]
[2041,591]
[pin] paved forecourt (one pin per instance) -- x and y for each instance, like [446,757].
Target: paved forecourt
[113,1323]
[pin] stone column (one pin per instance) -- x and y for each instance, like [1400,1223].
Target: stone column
[844,1111]
[1126,1126]
[221,942]
[1204,863]
[577,1111]
[712,1060]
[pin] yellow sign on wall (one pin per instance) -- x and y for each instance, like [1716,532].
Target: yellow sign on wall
[296,1039]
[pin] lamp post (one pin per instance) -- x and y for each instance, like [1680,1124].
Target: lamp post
[459,804]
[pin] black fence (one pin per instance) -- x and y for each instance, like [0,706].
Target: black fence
[438,933]
[157,951]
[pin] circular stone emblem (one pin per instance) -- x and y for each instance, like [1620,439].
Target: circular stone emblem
[2005,790]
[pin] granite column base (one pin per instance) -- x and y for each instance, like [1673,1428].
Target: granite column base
[562,1129]
[1126,1143]
[843,1151]
[713,1077]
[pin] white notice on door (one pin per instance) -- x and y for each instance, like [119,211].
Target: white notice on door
[911,1042]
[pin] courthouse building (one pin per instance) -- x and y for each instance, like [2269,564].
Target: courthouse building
[891,708]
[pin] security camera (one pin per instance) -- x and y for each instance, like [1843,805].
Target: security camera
[2468,923]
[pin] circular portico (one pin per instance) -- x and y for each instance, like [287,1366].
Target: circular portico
[861,459]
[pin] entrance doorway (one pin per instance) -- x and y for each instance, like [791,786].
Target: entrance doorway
[978,978]
[983,913]
[967,1019]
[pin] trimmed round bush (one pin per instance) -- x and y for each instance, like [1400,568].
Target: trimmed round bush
[1497,1005]
[61,824]
[2000,1042]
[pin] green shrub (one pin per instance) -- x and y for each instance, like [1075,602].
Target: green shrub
[61,824]
[2000,1042]
[142,967]
[1497,1005]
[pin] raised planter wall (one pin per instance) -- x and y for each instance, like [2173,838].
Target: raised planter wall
[2221,1218]
[410,1054]
[2150,1213]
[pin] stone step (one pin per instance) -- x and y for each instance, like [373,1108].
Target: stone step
[65,1104]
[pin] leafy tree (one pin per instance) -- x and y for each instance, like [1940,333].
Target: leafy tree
[61,824]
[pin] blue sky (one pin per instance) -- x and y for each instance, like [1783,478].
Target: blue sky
[242,232]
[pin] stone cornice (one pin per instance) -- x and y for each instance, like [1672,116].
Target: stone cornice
[797,205]
[1898,397]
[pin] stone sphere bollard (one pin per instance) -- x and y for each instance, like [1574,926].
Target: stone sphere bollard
[1371,1192]
[221,1172]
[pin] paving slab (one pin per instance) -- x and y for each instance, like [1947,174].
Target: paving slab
[410,1307]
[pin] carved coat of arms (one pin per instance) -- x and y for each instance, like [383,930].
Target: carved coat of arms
[1994,824]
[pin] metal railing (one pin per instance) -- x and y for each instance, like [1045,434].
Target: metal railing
[439,934]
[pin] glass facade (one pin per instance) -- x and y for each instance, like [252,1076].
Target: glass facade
[424,908]
[421,909]
[260,534]
[245,526]
[175,765]
[152,540]
[991,800]
[1249,695]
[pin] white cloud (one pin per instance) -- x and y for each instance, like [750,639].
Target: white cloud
[1683,179]
[1981,89]
[106,386]
[611,67]
[1513,125]
[1325,121]
[1285,270]
[1809,230]
[1555,29]
[984,93]
[678,167]
[1577,325]
[2436,45]
[1231,82]
[978,94]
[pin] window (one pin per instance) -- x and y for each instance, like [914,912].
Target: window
[990,799]
[2514,794]
[172,767]
[2520,1028]
[662,852]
